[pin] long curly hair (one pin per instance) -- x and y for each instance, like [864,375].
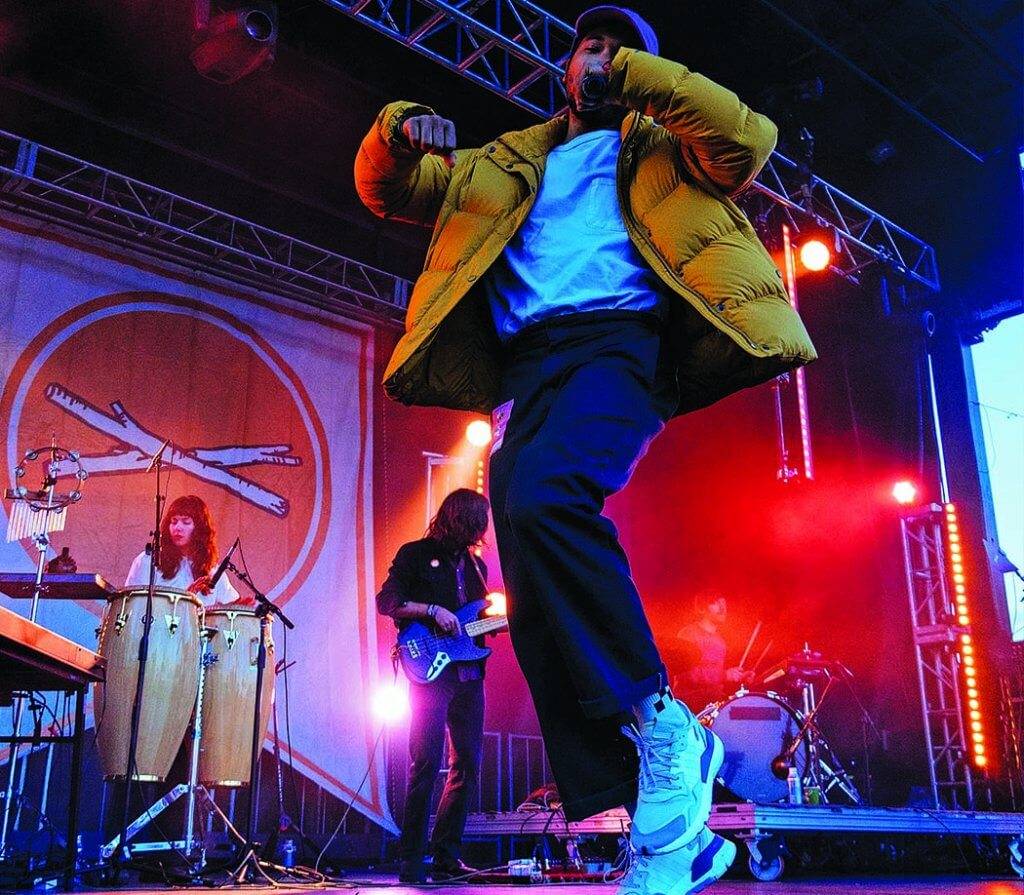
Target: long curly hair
[461,520]
[202,549]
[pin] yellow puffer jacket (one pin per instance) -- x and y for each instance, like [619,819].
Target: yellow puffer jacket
[688,145]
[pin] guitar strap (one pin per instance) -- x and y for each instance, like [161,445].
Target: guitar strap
[476,568]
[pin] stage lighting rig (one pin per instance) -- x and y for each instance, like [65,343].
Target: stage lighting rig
[233,42]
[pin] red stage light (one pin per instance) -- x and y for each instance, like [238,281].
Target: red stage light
[904,492]
[815,255]
[478,433]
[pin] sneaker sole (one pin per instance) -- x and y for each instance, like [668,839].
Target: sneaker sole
[697,823]
[721,861]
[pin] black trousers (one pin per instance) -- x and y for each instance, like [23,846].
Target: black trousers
[589,392]
[459,706]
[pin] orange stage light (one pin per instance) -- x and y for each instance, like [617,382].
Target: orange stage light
[815,255]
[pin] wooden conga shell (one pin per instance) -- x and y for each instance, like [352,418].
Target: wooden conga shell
[172,680]
[229,695]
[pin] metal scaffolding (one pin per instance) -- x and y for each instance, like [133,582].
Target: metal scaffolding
[936,635]
[58,188]
[1011,707]
[517,50]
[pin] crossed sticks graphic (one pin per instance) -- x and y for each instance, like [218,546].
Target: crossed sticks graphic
[136,445]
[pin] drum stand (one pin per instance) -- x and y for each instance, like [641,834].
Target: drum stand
[124,852]
[823,769]
[189,845]
[250,847]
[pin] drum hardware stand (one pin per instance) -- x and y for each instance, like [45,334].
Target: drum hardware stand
[285,824]
[190,845]
[818,772]
[264,609]
[38,513]
[153,548]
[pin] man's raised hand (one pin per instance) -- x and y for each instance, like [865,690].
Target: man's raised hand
[432,134]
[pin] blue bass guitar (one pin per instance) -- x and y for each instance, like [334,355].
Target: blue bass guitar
[425,652]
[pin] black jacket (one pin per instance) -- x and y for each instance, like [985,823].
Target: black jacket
[424,572]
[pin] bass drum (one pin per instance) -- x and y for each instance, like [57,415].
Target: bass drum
[172,679]
[229,696]
[755,728]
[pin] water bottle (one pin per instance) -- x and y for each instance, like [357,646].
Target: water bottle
[795,786]
[288,853]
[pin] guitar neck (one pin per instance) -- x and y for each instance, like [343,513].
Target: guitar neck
[485,626]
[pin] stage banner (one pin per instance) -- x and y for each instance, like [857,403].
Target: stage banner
[268,409]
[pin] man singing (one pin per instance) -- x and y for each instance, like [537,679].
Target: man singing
[429,581]
[588,279]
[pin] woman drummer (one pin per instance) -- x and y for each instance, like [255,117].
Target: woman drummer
[188,552]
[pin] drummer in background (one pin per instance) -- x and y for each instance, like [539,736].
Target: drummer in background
[188,554]
[702,677]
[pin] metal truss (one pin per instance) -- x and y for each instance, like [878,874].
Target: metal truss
[936,635]
[512,47]
[54,187]
[1011,687]
[517,50]
[862,237]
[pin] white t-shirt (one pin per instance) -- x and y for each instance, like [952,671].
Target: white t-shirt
[138,574]
[572,252]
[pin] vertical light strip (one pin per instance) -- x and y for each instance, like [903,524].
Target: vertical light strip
[968,657]
[934,397]
[480,476]
[801,383]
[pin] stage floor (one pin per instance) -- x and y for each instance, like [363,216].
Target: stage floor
[944,885]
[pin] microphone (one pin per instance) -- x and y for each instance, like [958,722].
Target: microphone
[594,87]
[223,567]
[158,455]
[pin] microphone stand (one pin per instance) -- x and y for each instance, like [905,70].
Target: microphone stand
[264,609]
[124,850]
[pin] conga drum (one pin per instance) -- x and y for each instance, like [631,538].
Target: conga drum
[169,691]
[229,695]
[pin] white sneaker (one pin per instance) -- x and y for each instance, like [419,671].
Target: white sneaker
[685,871]
[679,759]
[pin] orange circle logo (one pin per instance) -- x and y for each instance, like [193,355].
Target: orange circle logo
[115,377]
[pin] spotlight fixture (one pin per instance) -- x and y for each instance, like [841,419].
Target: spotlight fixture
[497,603]
[904,492]
[235,42]
[815,255]
[391,703]
[478,433]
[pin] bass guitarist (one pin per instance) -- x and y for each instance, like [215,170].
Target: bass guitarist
[429,581]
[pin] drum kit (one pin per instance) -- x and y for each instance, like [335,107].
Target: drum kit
[774,750]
